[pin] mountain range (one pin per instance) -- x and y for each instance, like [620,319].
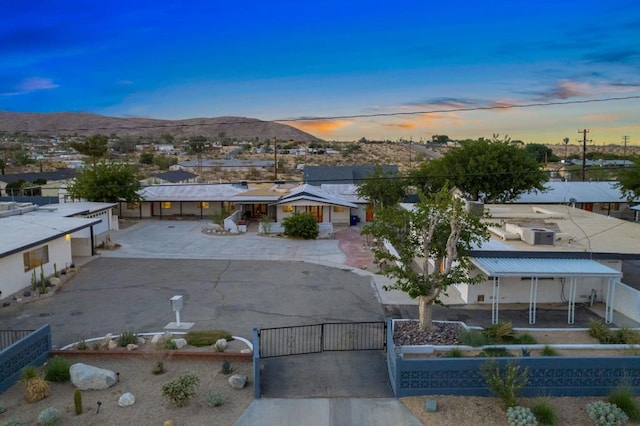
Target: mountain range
[61,123]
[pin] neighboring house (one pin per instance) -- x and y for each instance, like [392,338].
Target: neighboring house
[349,192]
[190,200]
[599,197]
[553,254]
[322,205]
[173,176]
[229,165]
[53,181]
[318,175]
[51,239]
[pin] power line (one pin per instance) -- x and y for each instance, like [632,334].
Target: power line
[337,117]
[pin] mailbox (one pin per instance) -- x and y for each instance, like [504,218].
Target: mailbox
[176,303]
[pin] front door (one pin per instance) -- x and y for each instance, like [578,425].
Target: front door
[316,212]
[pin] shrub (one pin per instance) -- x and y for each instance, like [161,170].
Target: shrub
[599,330]
[12,422]
[206,337]
[301,225]
[127,338]
[473,338]
[158,367]
[525,339]
[214,399]
[545,413]
[36,390]
[505,382]
[454,353]
[181,389]
[49,417]
[3,409]
[28,373]
[82,345]
[500,333]
[226,367]
[626,335]
[624,398]
[549,351]
[57,369]
[170,344]
[520,416]
[606,414]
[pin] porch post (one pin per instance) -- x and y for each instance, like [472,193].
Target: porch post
[571,314]
[533,296]
[611,293]
[495,300]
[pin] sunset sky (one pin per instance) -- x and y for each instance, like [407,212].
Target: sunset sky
[283,60]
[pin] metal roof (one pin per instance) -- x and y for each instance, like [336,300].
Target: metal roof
[313,193]
[190,192]
[579,192]
[533,267]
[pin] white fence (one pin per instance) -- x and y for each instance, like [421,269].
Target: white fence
[627,301]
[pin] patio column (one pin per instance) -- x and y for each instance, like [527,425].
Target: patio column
[495,299]
[611,294]
[533,296]
[571,314]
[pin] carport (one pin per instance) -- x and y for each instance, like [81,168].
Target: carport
[568,269]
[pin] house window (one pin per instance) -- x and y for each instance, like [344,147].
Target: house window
[338,209]
[36,257]
[287,209]
[203,205]
[166,204]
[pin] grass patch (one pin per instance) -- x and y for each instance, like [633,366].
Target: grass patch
[206,337]
[625,399]
[126,338]
[549,351]
[454,353]
[525,339]
[545,413]
[473,338]
[57,369]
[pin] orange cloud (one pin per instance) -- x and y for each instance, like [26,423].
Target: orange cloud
[325,127]
[600,118]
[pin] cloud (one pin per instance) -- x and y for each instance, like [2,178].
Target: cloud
[30,85]
[563,90]
[601,118]
[325,127]
[441,103]
[620,56]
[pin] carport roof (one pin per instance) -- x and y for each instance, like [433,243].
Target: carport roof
[533,267]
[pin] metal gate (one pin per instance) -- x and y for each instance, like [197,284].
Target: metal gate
[307,339]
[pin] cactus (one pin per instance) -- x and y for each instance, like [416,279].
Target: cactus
[55,271]
[77,401]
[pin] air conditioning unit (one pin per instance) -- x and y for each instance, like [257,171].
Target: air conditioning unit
[538,236]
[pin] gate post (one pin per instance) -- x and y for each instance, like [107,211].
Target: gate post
[256,363]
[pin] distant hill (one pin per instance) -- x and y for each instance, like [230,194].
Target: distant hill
[60,123]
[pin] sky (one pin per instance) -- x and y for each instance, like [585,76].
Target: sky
[374,69]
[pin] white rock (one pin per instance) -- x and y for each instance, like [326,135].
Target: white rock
[238,381]
[245,351]
[112,345]
[54,281]
[180,343]
[126,399]
[157,338]
[221,345]
[88,377]
[140,341]
[107,339]
[132,347]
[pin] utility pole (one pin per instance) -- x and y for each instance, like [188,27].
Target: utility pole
[275,156]
[584,153]
[566,143]
[410,141]
[625,139]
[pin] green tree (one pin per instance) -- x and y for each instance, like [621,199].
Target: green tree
[382,189]
[106,182]
[146,158]
[124,145]
[629,179]
[164,162]
[3,164]
[440,139]
[438,231]
[16,188]
[494,170]
[95,146]
[541,152]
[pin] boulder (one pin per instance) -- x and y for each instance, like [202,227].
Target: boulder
[54,281]
[238,381]
[126,399]
[112,345]
[132,347]
[180,343]
[245,351]
[221,345]
[88,377]
[106,341]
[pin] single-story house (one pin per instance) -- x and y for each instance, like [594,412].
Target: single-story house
[172,176]
[53,181]
[318,175]
[553,254]
[323,206]
[598,197]
[230,165]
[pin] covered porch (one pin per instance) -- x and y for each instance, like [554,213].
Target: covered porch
[568,271]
